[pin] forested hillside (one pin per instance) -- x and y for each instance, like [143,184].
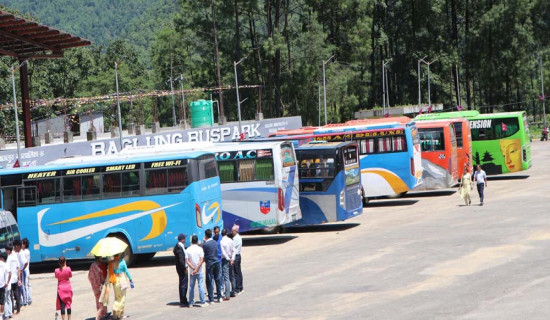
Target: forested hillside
[486,50]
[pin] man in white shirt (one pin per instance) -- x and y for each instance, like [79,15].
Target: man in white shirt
[238,242]
[480,177]
[228,252]
[23,263]
[13,266]
[27,297]
[195,259]
[4,278]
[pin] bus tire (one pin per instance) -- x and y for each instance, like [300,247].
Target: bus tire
[365,199]
[272,230]
[128,254]
[144,257]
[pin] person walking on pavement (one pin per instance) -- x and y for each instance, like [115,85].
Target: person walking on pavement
[12,292]
[238,242]
[210,248]
[228,249]
[64,289]
[120,277]
[4,281]
[466,186]
[480,177]
[181,268]
[97,275]
[195,259]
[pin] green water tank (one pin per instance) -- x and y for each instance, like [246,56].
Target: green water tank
[202,113]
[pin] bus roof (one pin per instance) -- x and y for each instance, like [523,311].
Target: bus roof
[104,160]
[400,119]
[434,123]
[447,115]
[359,127]
[324,145]
[513,114]
[292,132]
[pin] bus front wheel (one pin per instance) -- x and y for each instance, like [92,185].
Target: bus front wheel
[128,255]
[365,199]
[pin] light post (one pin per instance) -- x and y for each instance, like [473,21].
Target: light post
[542,91]
[325,86]
[173,104]
[419,93]
[118,107]
[429,96]
[183,103]
[385,87]
[237,90]
[13,70]
[319,105]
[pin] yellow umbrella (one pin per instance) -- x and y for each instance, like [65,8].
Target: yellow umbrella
[109,246]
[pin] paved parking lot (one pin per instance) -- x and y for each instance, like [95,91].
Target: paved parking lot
[423,256]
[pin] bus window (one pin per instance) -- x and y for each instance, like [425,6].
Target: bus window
[246,170]
[208,168]
[48,190]
[111,185]
[177,179]
[26,196]
[130,183]
[367,146]
[384,144]
[156,181]
[499,128]
[399,143]
[432,140]
[227,171]
[72,188]
[90,187]
[264,170]
[458,132]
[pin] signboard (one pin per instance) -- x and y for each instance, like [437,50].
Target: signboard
[44,154]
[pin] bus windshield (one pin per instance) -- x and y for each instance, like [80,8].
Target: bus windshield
[494,129]
[432,139]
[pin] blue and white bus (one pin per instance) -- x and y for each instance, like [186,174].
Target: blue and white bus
[66,206]
[390,158]
[330,182]
[259,182]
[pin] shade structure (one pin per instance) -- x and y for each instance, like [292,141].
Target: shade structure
[109,246]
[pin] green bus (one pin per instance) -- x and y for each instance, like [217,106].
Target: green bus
[500,141]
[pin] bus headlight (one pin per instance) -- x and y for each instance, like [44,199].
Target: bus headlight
[343,199]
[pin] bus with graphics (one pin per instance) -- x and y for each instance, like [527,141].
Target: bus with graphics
[66,206]
[259,182]
[389,154]
[439,154]
[330,182]
[500,141]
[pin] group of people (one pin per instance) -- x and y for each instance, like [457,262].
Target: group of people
[467,184]
[15,288]
[103,275]
[221,256]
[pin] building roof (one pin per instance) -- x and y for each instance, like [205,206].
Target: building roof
[25,39]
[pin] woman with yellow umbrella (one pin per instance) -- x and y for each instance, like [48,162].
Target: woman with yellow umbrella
[118,276]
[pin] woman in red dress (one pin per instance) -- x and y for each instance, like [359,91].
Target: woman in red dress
[64,290]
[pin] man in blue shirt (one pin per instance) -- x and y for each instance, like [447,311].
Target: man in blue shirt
[480,177]
[218,238]
[210,248]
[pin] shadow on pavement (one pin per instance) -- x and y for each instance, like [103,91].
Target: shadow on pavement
[507,177]
[433,193]
[390,203]
[321,228]
[266,240]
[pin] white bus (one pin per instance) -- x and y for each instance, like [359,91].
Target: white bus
[259,181]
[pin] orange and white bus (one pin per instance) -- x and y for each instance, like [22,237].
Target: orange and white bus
[439,154]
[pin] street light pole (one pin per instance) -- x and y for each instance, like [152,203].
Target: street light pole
[325,86]
[385,91]
[118,107]
[173,103]
[183,103]
[542,91]
[237,90]
[319,105]
[419,93]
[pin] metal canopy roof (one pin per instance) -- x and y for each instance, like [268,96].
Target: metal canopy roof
[24,39]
